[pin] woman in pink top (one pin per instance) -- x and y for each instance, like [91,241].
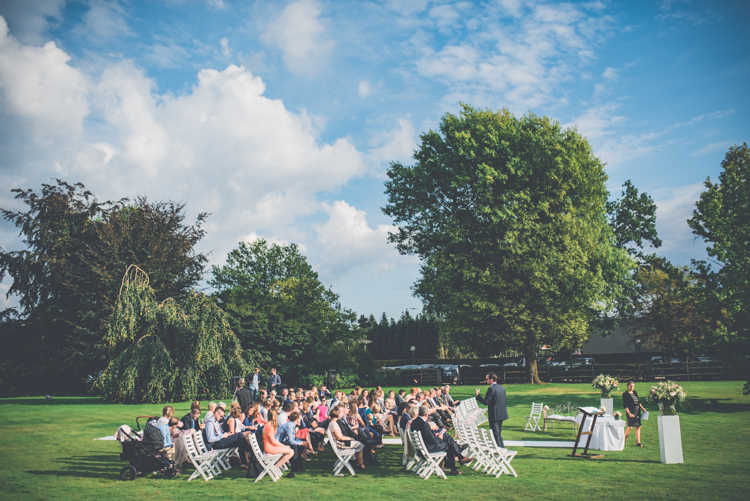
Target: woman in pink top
[321,410]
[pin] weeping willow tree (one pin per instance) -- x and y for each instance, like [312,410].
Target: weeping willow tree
[168,351]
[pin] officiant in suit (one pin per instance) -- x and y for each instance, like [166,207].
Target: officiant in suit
[497,411]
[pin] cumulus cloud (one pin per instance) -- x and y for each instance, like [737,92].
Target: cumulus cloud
[40,92]
[31,20]
[397,144]
[674,207]
[300,34]
[348,242]
[223,146]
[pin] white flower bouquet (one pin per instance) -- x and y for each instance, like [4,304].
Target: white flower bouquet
[606,384]
[666,394]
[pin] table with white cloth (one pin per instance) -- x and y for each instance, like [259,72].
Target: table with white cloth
[609,433]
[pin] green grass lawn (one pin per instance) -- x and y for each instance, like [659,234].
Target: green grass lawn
[49,452]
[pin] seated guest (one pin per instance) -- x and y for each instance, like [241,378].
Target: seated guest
[288,436]
[343,441]
[390,402]
[271,444]
[438,444]
[267,404]
[283,416]
[180,451]
[321,411]
[324,392]
[405,418]
[252,414]
[168,446]
[290,397]
[400,396]
[262,396]
[210,411]
[447,397]
[191,421]
[384,420]
[166,414]
[219,439]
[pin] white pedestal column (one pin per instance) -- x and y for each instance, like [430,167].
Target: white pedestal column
[670,439]
[608,405]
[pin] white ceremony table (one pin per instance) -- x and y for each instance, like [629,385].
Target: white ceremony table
[609,433]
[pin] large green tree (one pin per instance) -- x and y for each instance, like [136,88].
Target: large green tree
[278,307]
[68,276]
[722,218]
[508,215]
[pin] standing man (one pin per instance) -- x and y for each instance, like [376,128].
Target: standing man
[496,403]
[244,396]
[274,380]
[254,385]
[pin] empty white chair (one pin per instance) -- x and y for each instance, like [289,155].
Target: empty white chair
[532,421]
[203,462]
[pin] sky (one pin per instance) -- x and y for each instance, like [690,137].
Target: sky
[280,119]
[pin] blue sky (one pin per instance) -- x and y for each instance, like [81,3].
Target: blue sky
[280,118]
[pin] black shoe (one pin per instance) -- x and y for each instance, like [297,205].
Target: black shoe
[290,474]
[464,447]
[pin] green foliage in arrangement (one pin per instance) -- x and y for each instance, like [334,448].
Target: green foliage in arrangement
[169,350]
[509,217]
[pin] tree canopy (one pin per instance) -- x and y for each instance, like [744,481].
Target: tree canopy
[168,351]
[722,218]
[278,307]
[68,276]
[508,215]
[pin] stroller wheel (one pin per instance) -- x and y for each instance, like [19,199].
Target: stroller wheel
[128,473]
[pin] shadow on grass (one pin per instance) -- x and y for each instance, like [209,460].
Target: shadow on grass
[54,401]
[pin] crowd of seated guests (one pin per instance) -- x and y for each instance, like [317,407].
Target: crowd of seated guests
[293,423]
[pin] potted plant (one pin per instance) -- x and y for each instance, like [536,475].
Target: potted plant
[667,394]
[606,385]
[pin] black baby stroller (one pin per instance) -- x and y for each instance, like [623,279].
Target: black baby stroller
[144,456]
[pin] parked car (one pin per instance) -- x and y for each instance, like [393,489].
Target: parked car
[410,367]
[489,365]
[450,372]
[704,360]
[579,362]
[663,360]
[520,363]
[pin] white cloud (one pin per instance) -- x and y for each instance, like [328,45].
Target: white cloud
[674,207]
[397,144]
[365,88]
[348,242]
[29,20]
[301,36]
[710,148]
[40,91]
[104,19]
[225,47]
[252,237]
[610,74]
[519,62]
[216,4]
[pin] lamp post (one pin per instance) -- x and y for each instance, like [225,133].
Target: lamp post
[413,349]
[638,345]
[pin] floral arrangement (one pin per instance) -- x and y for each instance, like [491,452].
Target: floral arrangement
[617,414]
[606,384]
[666,394]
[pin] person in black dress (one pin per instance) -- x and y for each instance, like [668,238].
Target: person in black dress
[633,409]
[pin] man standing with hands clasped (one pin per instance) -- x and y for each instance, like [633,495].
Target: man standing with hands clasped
[497,411]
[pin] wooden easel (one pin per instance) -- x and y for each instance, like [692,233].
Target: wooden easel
[586,413]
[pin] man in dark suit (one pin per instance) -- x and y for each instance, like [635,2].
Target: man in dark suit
[496,403]
[361,435]
[244,396]
[437,444]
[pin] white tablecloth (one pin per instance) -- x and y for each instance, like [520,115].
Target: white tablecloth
[609,433]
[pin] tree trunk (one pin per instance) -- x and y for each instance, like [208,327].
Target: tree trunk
[531,367]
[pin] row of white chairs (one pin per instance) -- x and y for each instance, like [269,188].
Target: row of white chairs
[488,456]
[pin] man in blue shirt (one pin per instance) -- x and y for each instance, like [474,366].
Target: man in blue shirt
[219,439]
[286,436]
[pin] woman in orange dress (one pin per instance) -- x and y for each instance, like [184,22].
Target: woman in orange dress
[271,445]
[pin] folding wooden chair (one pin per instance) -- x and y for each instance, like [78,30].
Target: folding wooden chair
[343,456]
[532,421]
[267,461]
[502,455]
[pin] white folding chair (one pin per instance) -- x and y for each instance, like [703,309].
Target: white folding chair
[430,461]
[267,461]
[219,462]
[532,421]
[203,462]
[343,456]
